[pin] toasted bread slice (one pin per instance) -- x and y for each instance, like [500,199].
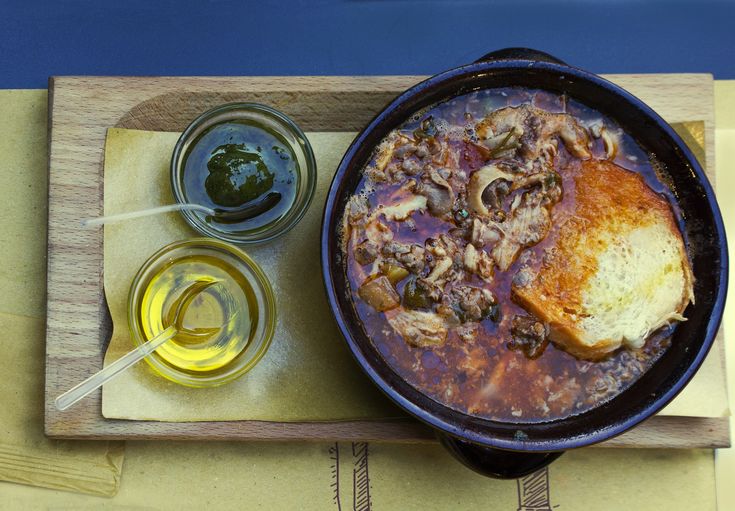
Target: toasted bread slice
[616,268]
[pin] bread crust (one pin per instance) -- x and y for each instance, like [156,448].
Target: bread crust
[608,202]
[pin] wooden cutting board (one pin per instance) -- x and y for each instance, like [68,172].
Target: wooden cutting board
[82,108]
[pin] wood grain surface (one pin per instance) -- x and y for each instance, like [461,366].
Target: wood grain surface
[78,325]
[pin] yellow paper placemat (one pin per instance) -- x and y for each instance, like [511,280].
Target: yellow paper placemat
[26,455]
[308,374]
[158,476]
[339,477]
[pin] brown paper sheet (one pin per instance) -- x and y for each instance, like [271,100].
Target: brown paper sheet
[308,373]
[26,455]
[173,476]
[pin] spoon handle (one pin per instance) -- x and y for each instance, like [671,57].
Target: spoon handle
[91,222]
[98,379]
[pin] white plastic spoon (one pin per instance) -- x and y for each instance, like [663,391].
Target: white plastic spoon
[75,394]
[119,217]
[243,212]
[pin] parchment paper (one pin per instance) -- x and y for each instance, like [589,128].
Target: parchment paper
[308,373]
[725,157]
[26,455]
[706,395]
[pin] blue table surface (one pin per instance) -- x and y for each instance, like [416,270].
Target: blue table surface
[354,37]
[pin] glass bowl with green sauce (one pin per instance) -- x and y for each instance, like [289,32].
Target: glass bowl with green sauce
[251,164]
[233,317]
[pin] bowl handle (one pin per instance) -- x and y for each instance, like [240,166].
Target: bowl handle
[520,54]
[497,463]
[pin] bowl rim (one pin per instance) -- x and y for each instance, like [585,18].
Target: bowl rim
[455,428]
[308,175]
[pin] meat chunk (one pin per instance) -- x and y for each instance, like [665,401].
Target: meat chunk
[356,209]
[418,328]
[377,232]
[528,335]
[396,157]
[366,252]
[403,209]
[468,304]
[379,294]
[353,220]
[478,262]
[528,224]
[442,266]
[445,260]
[483,233]
[411,256]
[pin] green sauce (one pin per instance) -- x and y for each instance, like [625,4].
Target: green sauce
[244,171]
[236,175]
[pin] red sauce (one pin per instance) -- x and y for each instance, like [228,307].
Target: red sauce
[484,377]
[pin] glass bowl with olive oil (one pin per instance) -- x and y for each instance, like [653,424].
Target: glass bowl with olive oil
[249,163]
[240,306]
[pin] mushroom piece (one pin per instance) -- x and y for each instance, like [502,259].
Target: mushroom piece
[574,137]
[439,194]
[542,126]
[480,180]
[610,142]
[472,303]
[410,167]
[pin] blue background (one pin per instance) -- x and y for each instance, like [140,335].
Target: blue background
[228,37]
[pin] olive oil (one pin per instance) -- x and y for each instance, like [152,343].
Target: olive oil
[219,319]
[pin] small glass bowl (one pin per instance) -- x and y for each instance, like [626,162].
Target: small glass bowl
[268,118]
[262,332]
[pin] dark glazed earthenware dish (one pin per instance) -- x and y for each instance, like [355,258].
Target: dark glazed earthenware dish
[503,449]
